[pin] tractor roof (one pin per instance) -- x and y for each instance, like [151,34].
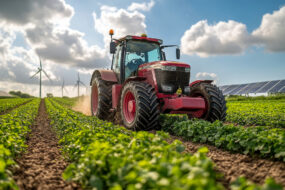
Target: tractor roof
[129,37]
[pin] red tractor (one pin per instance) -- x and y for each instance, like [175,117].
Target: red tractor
[142,84]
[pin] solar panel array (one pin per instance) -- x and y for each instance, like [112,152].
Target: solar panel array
[276,86]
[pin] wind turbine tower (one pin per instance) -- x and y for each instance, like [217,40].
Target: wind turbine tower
[40,70]
[78,82]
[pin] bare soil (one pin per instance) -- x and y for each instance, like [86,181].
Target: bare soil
[41,167]
[233,165]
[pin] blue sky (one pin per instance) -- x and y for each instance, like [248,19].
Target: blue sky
[224,40]
[169,20]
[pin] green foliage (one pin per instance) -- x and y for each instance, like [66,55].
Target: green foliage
[254,98]
[68,102]
[107,156]
[267,142]
[259,112]
[13,131]
[20,94]
[6,104]
[242,184]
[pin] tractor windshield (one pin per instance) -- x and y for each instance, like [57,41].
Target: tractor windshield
[140,52]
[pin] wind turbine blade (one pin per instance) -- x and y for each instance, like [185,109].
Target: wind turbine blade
[35,74]
[47,75]
[82,83]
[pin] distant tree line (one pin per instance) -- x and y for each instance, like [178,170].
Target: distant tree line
[20,94]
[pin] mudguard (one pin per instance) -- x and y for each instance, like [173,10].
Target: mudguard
[106,75]
[200,81]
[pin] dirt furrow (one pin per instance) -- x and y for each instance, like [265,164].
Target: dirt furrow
[42,165]
[233,165]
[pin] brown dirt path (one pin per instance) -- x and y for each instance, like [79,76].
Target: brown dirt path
[233,165]
[42,165]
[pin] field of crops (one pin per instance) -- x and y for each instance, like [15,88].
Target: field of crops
[6,104]
[258,112]
[102,155]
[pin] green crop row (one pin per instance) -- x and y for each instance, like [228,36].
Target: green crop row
[13,130]
[264,141]
[107,156]
[267,113]
[6,104]
[68,102]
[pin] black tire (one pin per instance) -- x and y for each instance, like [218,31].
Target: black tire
[215,101]
[104,98]
[147,112]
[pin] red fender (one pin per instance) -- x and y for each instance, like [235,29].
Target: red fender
[200,81]
[106,75]
[134,78]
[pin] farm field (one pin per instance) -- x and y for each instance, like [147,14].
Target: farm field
[257,112]
[47,135]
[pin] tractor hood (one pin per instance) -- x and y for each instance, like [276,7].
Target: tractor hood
[160,64]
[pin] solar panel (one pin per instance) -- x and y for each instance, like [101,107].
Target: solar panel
[282,89]
[277,86]
[267,86]
[229,89]
[235,91]
[247,88]
[258,87]
[222,88]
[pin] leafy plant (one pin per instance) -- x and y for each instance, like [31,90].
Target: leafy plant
[6,104]
[13,131]
[257,112]
[107,156]
[267,142]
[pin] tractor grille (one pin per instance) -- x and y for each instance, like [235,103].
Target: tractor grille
[175,79]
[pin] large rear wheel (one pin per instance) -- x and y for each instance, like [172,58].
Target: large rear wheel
[101,98]
[139,106]
[215,101]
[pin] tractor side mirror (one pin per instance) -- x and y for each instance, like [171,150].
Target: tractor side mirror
[177,53]
[112,47]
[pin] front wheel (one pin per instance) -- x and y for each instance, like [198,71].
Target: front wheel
[215,101]
[139,106]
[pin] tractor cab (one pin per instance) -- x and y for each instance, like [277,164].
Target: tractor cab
[130,52]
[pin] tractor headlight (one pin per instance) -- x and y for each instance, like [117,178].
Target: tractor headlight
[168,68]
[166,88]
[187,90]
[187,69]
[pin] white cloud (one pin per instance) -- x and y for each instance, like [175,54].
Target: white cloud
[230,38]
[271,32]
[207,76]
[34,12]
[122,21]
[45,28]
[222,38]
[141,6]
[66,46]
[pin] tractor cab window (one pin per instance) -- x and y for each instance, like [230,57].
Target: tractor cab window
[117,59]
[140,52]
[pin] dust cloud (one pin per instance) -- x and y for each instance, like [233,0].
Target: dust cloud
[83,105]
